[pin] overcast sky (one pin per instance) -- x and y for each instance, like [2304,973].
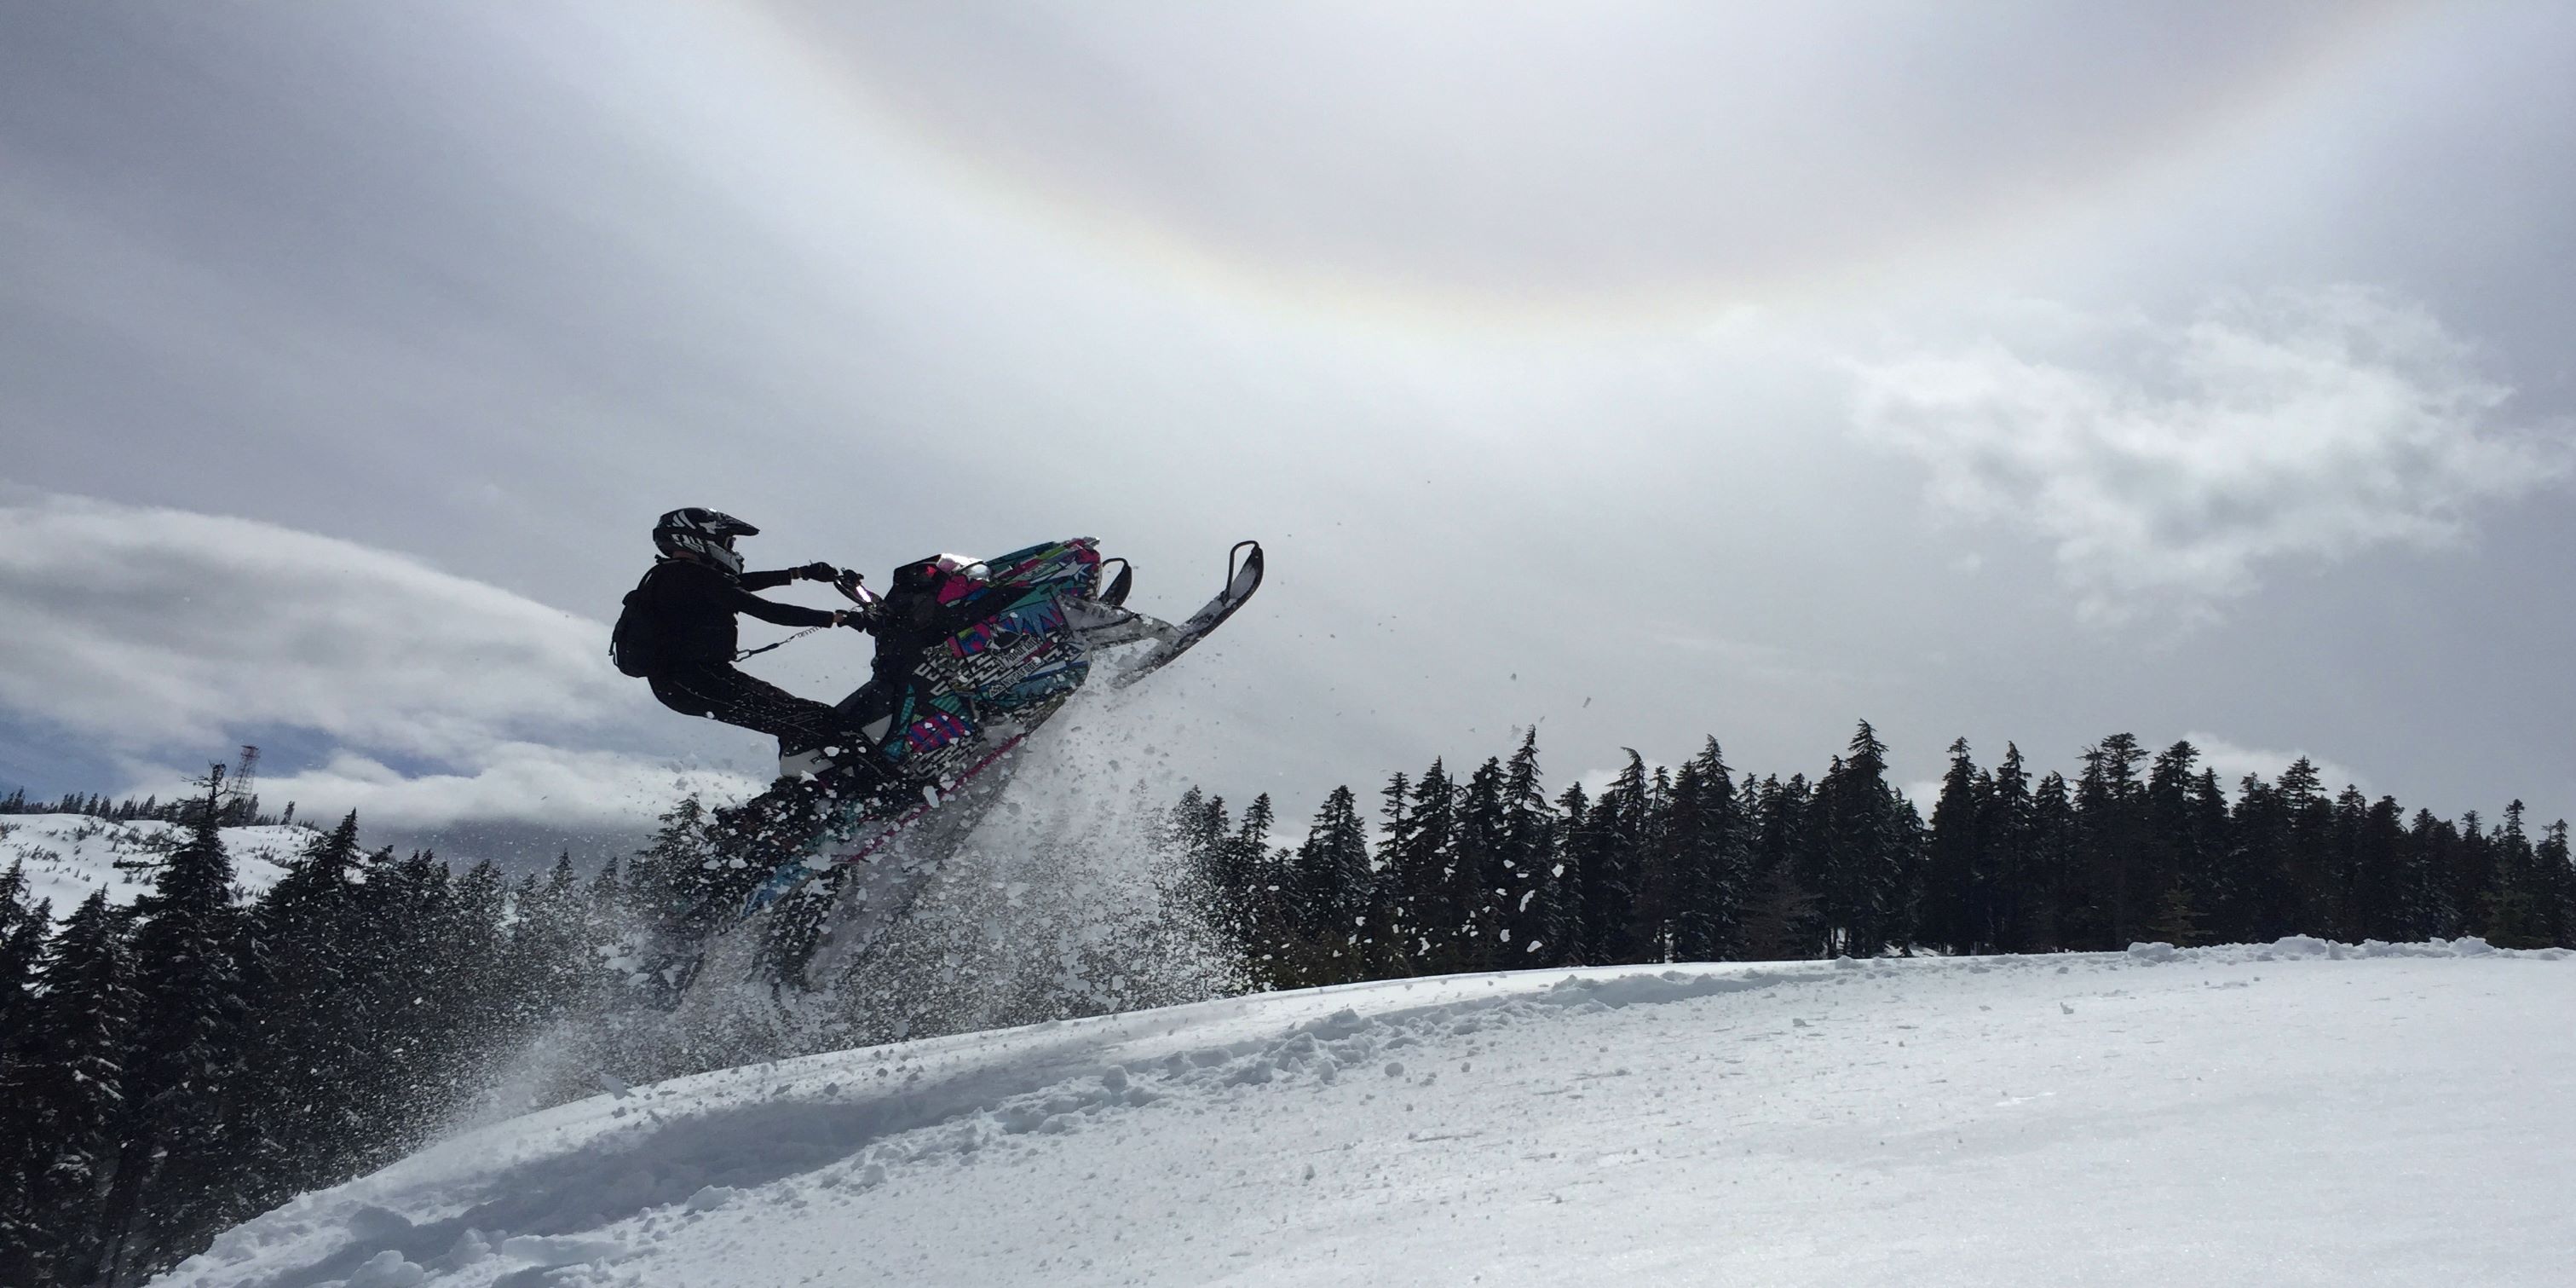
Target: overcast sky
[1646,371]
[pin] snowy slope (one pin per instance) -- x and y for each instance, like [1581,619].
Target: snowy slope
[2294,1114]
[69,855]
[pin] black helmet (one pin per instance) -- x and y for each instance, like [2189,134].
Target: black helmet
[707,534]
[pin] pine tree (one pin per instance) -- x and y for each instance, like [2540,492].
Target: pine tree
[545,947]
[1531,886]
[607,900]
[1867,851]
[2177,841]
[1955,857]
[22,941]
[1781,922]
[1201,831]
[2176,919]
[79,1037]
[667,880]
[2373,868]
[2473,876]
[2051,864]
[1424,853]
[2304,866]
[312,1029]
[2000,918]
[173,1188]
[1181,831]
[1480,877]
[1704,839]
[1384,937]
[1656,906]
[2115,900]
[2556,887]
[1836,863]
[2428,911]
[405,913]
[2212,885]
[2520,907]
[2334,903]
[1258,880]
[1332,877]
[1619,824]
[609,932]
[475,1002]
[1577,844]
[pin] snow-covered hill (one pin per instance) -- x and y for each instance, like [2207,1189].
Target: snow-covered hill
[69,855]
[2293,1114]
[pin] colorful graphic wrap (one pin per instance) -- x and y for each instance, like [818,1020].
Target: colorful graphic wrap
[1004,664]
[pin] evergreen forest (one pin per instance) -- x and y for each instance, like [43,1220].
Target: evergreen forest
[172,1067]
[1489,871]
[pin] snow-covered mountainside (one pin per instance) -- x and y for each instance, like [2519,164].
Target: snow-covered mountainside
[2299,1113]
[69,855]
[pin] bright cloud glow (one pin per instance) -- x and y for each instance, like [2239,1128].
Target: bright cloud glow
[2232,763]
[2172,464]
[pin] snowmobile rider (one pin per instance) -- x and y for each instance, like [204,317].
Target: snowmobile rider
[678,631]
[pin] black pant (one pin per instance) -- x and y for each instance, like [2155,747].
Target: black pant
[720,692]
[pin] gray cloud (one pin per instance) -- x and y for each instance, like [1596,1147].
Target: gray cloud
[147,629]
[145,626]
[2178,462]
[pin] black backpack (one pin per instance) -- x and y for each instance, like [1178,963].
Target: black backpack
[633,645]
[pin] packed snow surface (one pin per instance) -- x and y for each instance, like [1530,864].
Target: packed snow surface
[2298,1113]
[69,855]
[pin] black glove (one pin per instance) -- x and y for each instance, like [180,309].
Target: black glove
[855,618]
[819,572]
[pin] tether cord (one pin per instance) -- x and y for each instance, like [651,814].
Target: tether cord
[755,652]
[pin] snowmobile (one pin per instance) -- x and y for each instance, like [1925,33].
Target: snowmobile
[973,655]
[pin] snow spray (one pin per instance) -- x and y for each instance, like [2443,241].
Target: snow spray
[1065,901]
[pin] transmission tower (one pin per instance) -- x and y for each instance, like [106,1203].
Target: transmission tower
[245,780]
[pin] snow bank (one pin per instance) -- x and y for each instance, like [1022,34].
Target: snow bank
[69,855]
[2302,946]
[2291,1113]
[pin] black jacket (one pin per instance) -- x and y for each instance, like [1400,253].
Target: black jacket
[688,610]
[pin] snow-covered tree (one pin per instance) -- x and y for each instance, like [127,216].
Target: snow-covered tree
[313,1025]
[1331,876]
[1533,889]
[177,1182]
[73,1088]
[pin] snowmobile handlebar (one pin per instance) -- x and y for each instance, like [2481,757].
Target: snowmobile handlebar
[853,585]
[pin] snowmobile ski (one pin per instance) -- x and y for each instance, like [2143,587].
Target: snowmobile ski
[1243,577]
